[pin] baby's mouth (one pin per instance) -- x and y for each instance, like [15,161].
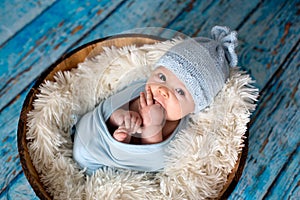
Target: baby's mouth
[157,102]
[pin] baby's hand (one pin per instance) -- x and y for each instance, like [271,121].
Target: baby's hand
[152,114]
[122,135]
[129,122]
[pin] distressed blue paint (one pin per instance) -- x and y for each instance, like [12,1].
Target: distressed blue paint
[40,43]
[15,14]
[267,38]
[9,158]
[19,190]
[274,136]
[134,14]
[206,14]
[288,179]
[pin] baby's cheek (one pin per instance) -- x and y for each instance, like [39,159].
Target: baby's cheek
[174,112]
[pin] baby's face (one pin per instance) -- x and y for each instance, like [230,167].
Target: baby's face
[170,93]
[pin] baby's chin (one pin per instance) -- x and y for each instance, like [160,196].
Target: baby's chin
[172,117]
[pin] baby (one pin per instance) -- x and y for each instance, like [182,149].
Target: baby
[132,128]
[158,110]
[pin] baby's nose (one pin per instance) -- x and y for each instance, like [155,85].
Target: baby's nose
[163,91]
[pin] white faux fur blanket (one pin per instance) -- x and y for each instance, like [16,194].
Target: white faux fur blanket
[200,157]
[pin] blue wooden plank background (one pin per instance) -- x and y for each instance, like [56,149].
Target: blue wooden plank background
[35,33]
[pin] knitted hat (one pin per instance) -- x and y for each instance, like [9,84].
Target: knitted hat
[202,64]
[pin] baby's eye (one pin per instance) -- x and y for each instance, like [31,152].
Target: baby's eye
[162,77]
[180,91]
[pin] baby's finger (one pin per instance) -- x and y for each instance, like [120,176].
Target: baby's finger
[121,129]
[149,96]
[139,130]
[137,125]
[132,122]
[143,102]
[119,136]
[127,120]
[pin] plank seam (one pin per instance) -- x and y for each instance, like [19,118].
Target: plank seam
[286,164]
[183,10]
[92,28]
[243,22]
[66,51]
[6,188]
[28,24]
[281,69]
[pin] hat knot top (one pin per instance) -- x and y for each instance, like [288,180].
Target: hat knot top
[202,64]
[228,40]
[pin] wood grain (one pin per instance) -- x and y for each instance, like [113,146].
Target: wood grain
[19,189]
[287,184]
[44,40]
[10,164]
[274,139]
[267,38]
[133,15]
[206,14]
[16,14]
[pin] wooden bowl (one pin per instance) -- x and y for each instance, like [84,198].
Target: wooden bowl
[70,61]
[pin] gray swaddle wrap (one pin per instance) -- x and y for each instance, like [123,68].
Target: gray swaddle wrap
[94,146]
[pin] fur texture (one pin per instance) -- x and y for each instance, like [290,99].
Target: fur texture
[200,157]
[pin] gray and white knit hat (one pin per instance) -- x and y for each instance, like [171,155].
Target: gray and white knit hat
[202,64]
